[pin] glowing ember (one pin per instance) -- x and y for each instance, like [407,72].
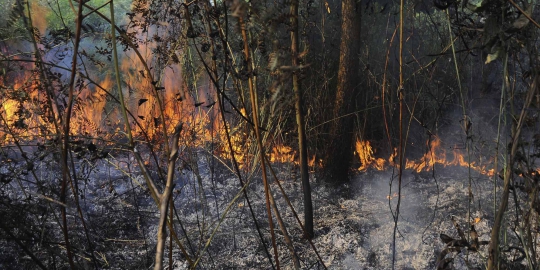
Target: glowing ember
[395,195]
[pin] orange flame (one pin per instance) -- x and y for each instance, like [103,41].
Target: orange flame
[436,156]
[365,153]
[282,153]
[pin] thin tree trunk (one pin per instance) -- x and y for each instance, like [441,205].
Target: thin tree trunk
[342,129]
[67,120]
[285,233]
[164,200]
[221,99]
[493,260]
[153,190]
[302,145]
[255,110]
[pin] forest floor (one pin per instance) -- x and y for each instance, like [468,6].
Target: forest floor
[357,229]
[354,224]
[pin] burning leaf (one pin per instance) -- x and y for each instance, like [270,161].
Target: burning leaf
[476,220]
[142,101]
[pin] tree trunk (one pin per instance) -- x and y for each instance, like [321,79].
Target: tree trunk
[340,152]
[165,198]
[302,146]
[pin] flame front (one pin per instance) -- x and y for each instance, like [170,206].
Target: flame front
[436,155]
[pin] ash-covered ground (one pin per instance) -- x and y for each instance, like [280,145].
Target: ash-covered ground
[357,228]
[354,222]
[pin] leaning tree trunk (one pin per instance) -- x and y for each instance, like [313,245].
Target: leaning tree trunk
[340,153]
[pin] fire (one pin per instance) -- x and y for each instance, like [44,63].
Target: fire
[436,156]
[312,160]
[17,107]
[365,153]
[202,122]
[282,153]
[96,115]
[9,107]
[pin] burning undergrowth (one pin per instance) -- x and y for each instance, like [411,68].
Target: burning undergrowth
[106,205]
[353,224]
[353,227]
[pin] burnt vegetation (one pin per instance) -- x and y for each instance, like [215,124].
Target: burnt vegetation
[190,134]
